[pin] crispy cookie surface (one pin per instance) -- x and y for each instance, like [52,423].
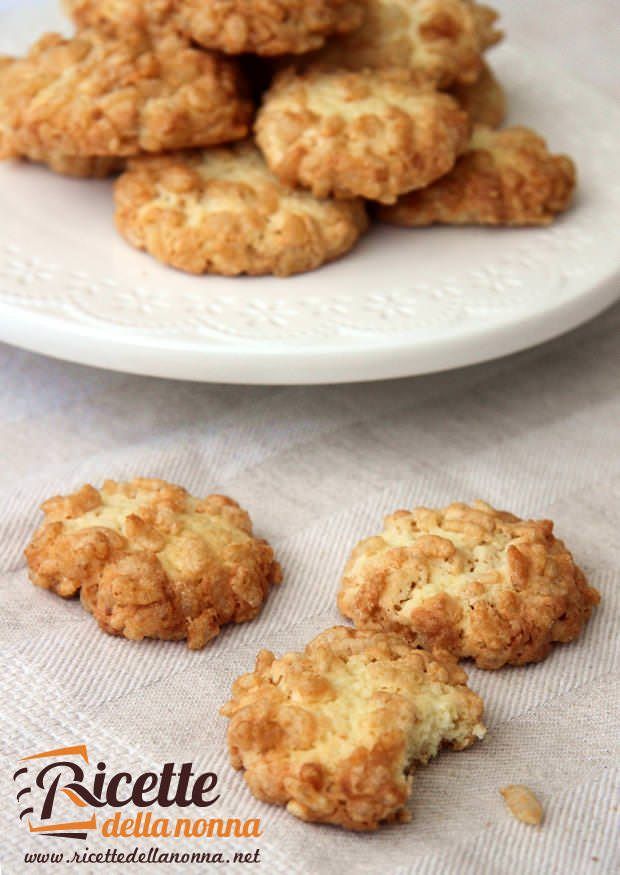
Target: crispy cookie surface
[222,211]
[371,133]
[116,17]
[475,581]
[67,165]
[152,561]
[94,96]
[334,732]
[440,40]
[268,27]
[484,100]
[505,177]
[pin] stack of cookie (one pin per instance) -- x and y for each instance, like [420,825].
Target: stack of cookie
[335,732]
[386,103]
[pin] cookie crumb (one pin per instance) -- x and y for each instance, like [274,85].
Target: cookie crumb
[523,804]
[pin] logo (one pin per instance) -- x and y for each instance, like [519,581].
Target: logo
[48,779]
[60,793]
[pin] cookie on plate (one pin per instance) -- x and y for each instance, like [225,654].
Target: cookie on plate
[440,40]
[92,96]
[505,177]
[231,26]
[372,133]
[81,167]
[66,165]
[152,561]
[275,27]
[222,211]
[116,17]
[333,733]
[484,100]
[478,582]
[486,24]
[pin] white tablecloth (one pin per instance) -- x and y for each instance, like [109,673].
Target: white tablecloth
[537,433]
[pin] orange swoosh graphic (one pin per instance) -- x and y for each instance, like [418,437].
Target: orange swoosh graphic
[73,796]
[77,749]
[56,827]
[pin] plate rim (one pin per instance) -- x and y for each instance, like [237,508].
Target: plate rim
[389,361]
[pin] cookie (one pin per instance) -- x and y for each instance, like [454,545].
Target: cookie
[231,26]
[480,583]
[440,40]
[151,561]
[484,100]
[334,733]
[67,165]
[83,167]
[8,148]
[372,134]
[222,211]
[80,167]
[92,96]
[116,17]
[505,177]
[270,27]
[486,24]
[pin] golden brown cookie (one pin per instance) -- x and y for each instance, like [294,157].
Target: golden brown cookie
[152,561]
[92,96]
[116,17]
[222,211]
[67,165]
[505,177]
[475,581]
[333,733]
[7,144]
[235,27]
[440,40]
[372,134]
[81,167]
[268,27]
[486,19]
[484,100]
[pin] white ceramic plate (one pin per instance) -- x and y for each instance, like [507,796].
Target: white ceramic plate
[405,302]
